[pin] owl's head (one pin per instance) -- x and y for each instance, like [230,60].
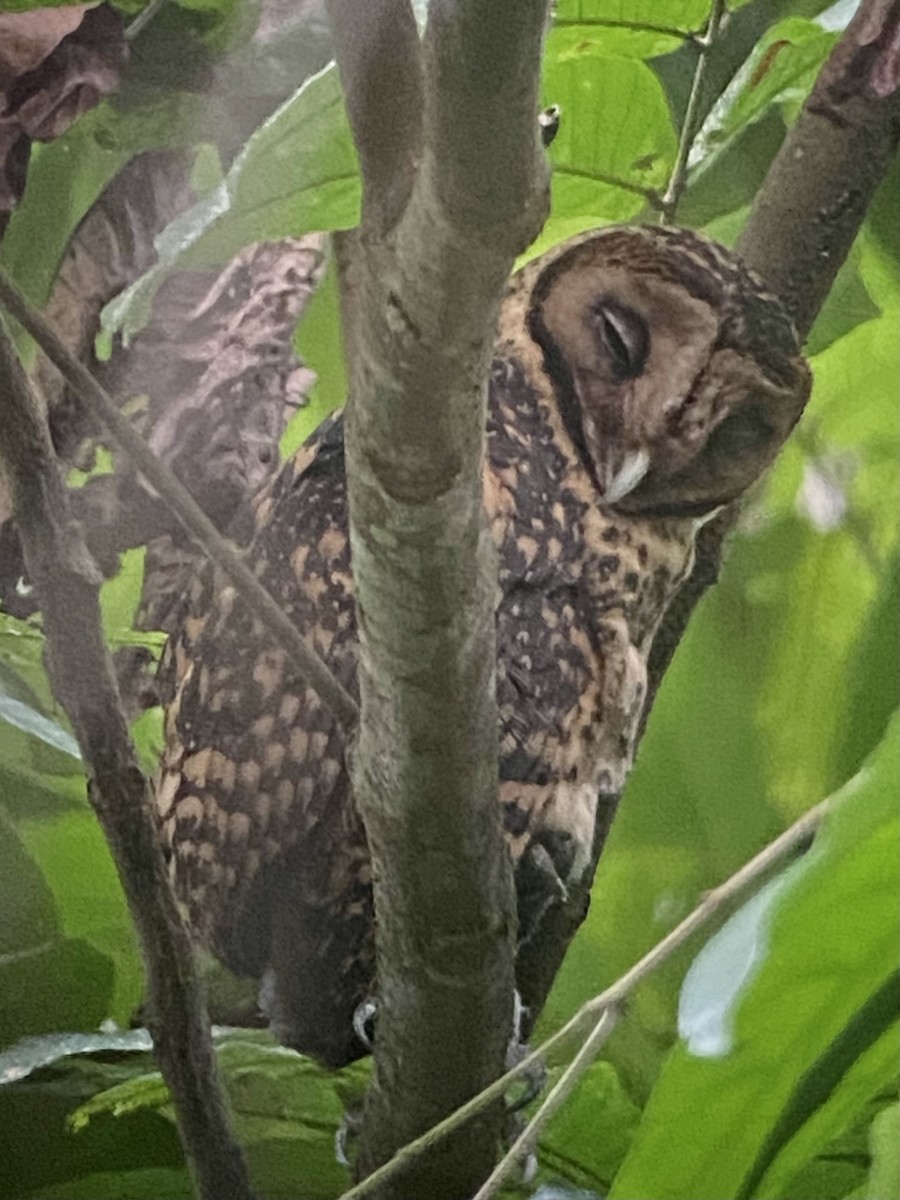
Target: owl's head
[677,374]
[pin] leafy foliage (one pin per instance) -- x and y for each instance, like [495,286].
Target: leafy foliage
[778,695]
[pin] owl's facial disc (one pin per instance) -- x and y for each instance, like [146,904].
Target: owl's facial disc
[669,414]
[624,349]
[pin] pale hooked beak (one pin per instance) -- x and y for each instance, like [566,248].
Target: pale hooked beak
[631,470]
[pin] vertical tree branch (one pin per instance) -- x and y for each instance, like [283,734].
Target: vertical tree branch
[420,299]
[83,680]
[377,48]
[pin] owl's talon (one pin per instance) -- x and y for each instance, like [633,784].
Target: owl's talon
[535,1077]
[364,1021]
[349,1128]
[529,1167]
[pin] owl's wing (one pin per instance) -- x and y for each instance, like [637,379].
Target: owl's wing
[253,795]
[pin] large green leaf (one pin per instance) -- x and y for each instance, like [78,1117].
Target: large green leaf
[287,1110]
[615,137]
[815,1029]
[297,173]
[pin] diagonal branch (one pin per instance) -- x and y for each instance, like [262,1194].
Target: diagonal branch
[816,192]
[526,1143]
[84,682]
[803,222]
[182,503]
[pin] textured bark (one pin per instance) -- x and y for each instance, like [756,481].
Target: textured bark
[421,287]
[803,222]
[83,680]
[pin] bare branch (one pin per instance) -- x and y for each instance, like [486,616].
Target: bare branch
[83,680]
[182,504]
[752,872]
[526,1142]
[804,220]
[384,105]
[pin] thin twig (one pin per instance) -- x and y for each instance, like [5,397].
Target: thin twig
[613,996]
[84,682]
[802,224]
[185,507]
[685,35]
[672,194]
[556,1098]
[143,19]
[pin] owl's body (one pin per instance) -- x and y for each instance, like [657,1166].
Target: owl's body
[593,493]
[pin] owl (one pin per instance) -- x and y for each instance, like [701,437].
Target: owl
[641,379]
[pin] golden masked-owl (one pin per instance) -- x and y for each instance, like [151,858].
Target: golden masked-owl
[642,377]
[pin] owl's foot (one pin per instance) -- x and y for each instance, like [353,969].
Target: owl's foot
[529,1085]
[364,1022]
[347,1131]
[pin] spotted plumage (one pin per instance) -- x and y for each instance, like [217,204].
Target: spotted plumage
[641,379]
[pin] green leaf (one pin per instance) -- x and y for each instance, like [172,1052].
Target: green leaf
[34,1053]
[884,1177]
[153,1183]
[143,1091]
[573,35]
[22,716]
[781,68]
[73,856]
[30,919]
[615,139]
[590,1139]
[32,999]
[815,1031]
[320,344]
[297,174]
[847,305]
[120,596]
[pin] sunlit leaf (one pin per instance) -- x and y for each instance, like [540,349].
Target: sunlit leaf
[884,1177]
[722,971]
[33,1053]
[320,345]
[143,1091]
[615,142]
[30,721]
